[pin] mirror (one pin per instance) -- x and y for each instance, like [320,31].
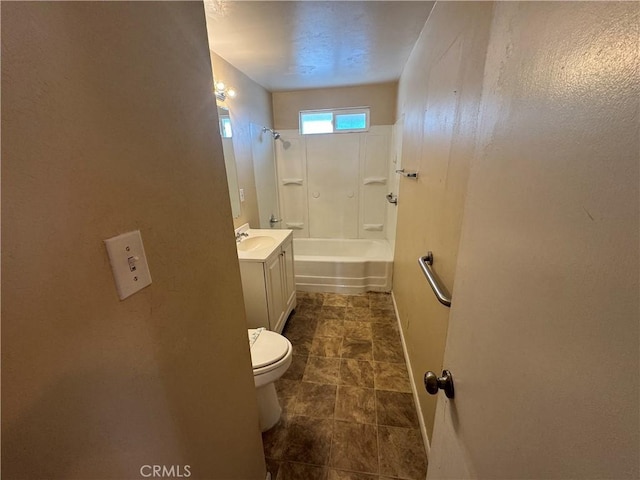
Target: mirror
[226,132]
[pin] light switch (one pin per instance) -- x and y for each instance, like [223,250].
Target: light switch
[242,194]
[129,263]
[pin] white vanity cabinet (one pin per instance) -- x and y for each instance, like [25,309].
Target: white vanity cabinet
[268,286]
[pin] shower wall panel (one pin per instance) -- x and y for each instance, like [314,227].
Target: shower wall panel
[374,161]
[334,185]
[291,162]
[332,170]
[264,169]
[394,181]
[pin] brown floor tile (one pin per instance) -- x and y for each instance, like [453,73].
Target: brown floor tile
[330,328]
[316,400]
[358,373]
[301,471]
[310,298]
[387,351]
[287,392]
[297,367]
[337,401]
[308,440]
[357,330]
[335,300]
[402,453]
[386,331]
[300,326]
[355,447]
[301,342]
[380,300]
[358,314]
[332,312]
[355,404]
[396,409]
[357,349]
[322,370]
[358,300]
[382,305]
[272,467]
[343,475]
[391,376]
[306,312]
[274,440]
[383,315]
[326,346]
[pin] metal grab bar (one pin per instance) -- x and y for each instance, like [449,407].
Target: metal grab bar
[441,293]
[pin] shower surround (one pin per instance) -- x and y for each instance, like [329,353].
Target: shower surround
[334,185]
[332,191]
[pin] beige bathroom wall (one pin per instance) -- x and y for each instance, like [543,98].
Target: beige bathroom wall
[439,96]
[251,105]
[109,125]
[381,97]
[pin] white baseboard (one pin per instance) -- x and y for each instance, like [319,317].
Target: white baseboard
[423,428]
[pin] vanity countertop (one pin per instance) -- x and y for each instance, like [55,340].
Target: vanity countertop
[262,253]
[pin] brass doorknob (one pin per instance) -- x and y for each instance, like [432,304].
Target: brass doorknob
[432,383]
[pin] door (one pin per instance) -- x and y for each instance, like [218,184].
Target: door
[289,280]
[543,333]
[274,290]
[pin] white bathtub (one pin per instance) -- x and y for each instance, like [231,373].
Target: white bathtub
[342,266]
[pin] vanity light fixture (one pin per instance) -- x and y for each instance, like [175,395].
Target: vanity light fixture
[222,91]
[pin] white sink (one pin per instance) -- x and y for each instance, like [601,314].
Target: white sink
[256,243]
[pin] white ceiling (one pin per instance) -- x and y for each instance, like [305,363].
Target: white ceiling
[294,45]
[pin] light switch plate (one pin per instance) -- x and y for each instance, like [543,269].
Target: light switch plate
[242,194]
[129,263]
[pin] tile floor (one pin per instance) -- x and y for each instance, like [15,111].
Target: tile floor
[348,410]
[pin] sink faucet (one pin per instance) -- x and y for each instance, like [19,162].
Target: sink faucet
[239,236]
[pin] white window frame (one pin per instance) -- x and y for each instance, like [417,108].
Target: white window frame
[225,119]
[336,112]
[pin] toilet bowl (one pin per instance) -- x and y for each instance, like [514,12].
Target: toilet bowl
[271,357]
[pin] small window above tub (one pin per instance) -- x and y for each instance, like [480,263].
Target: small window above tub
[225,127]
[337,120]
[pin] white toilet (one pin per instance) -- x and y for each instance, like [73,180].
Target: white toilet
[271,357]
